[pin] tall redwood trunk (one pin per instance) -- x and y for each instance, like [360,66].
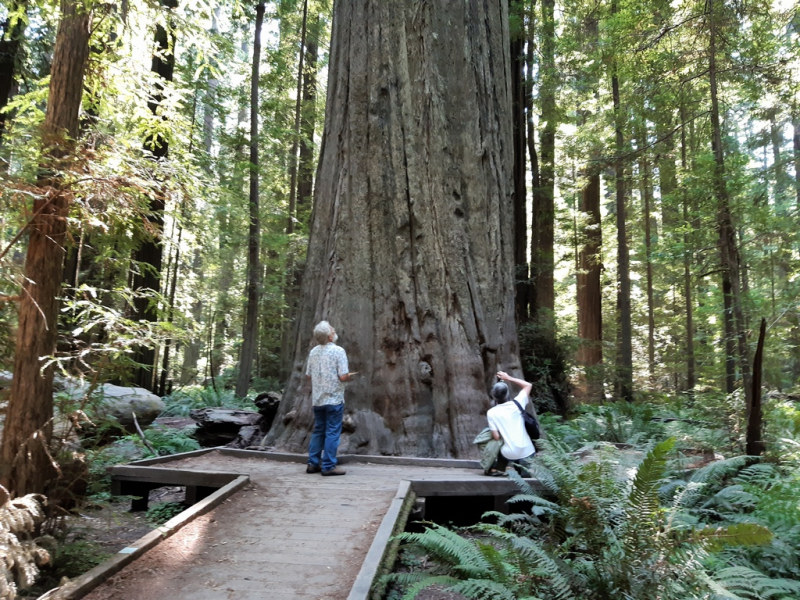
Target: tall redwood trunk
[411,254]
[25,462]
[543,219]
[729,251]
[624,379]
[297,123]
[301,183]
[305,173]
[149,254]
[589,295]
[250,331]
[520,172]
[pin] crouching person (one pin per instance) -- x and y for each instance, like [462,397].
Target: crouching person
[505,439]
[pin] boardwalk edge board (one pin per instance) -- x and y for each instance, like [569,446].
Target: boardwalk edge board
[393,522]
[80,586]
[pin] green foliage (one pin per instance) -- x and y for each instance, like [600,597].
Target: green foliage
[158,514]
[610,535]
[182,402]
[75,558]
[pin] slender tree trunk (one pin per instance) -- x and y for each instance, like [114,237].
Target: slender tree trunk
[589,294]
[11,36]
[796,145]
[687,263]
[624,379]
[520,172]
[667,177]
[647,190]
[176,262]
[26,465]
[148,256]
[297,122]
[754,444]
[542,229]
[293,272]
[305,180]
[780,176]
[410,255]
[729,251]
[250,333]
[194,348]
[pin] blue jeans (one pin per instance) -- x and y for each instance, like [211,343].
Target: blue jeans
[327,429]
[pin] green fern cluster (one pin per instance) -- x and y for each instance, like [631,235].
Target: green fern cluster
[593,535]
[182,402]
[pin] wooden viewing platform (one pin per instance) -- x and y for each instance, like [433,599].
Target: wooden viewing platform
[268,530]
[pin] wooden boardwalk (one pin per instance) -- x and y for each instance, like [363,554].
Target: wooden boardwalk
[287,535]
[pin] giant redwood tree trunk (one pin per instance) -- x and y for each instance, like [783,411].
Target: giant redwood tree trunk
[25,465]
[411,252]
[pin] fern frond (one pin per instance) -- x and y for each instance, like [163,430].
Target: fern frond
[417,587]
[644,490]
[739,534]
[715,471]
[483,589]
[449,548]
[753,584]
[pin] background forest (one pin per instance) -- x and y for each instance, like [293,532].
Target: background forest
[626,283]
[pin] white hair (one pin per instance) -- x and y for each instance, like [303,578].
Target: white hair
[500,392]
[322,332]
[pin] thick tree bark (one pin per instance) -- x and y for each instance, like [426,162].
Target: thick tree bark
[11,36]
[411,256]
[520,172]
[729,251]
[25,461]
[624,379]
[149,254]
[543,219]
[250,332]
[589,295]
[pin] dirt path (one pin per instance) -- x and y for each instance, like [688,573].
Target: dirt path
[288,535]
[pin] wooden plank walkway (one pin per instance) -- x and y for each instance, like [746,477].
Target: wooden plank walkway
[286,536]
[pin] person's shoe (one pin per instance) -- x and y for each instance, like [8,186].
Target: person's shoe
[333,471]
[313,469]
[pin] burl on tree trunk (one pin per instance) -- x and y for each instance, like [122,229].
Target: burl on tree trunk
[411,246]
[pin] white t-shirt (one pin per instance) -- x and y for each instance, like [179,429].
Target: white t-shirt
[507,421]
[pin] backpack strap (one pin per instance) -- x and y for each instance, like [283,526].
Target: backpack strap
[522,410]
